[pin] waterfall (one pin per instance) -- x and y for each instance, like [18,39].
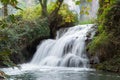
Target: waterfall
[94,9]
[67,50]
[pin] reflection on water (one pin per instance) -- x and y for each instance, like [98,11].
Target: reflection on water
[63,74]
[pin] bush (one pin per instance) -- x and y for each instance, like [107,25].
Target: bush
[68,16]
[16,31]
[31,13]
[106,43]
[14,36]
[98,41]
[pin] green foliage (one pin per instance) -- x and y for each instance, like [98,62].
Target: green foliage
[113,65]
[68,16]
[104,35]
[11,2]
[51,7]
[89,0]
[106,43]
[35,12]
[77,2]
[20,29]
[14,36]
[87,22]
[84,9]
[31,13]
[101,28]
[101,18]
[98,41]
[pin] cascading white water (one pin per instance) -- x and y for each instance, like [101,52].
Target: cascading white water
[67,50]
[94,8]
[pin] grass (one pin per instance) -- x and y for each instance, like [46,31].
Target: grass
[87,22]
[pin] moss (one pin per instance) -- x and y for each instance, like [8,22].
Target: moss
[98,42]
[106,43]
[112,65]
[87,22]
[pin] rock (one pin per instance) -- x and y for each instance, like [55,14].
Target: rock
[30,49]
[27,51]
[2,75]
[94,60]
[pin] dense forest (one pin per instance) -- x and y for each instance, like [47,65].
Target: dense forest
[22,30]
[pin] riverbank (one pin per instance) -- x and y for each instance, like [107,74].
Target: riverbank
[106,43]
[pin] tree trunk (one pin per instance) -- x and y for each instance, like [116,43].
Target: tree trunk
[54,13]
[5,10]
[52,16]
[43,4]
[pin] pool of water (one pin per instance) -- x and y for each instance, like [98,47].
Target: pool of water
[55,73]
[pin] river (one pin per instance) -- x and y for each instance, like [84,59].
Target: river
[55,73]
[63,58]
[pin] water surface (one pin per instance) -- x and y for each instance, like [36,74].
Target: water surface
[61,73]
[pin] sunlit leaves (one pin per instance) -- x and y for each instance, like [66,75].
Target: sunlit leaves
[87,13]
[69,18]
[67,15]
[31,13]
[85,10]
[4,1]
[77,2]
[107,0]
[89,0]
[3,24]
[11,2]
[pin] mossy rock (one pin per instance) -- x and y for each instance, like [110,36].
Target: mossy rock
[106,44]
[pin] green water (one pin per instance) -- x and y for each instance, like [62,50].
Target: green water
[63,74]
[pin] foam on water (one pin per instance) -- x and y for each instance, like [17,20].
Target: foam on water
[67,50]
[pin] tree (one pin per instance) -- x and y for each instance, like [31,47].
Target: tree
[43,4]
[51,16]
[5,10]
[54,13]
[6,3]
